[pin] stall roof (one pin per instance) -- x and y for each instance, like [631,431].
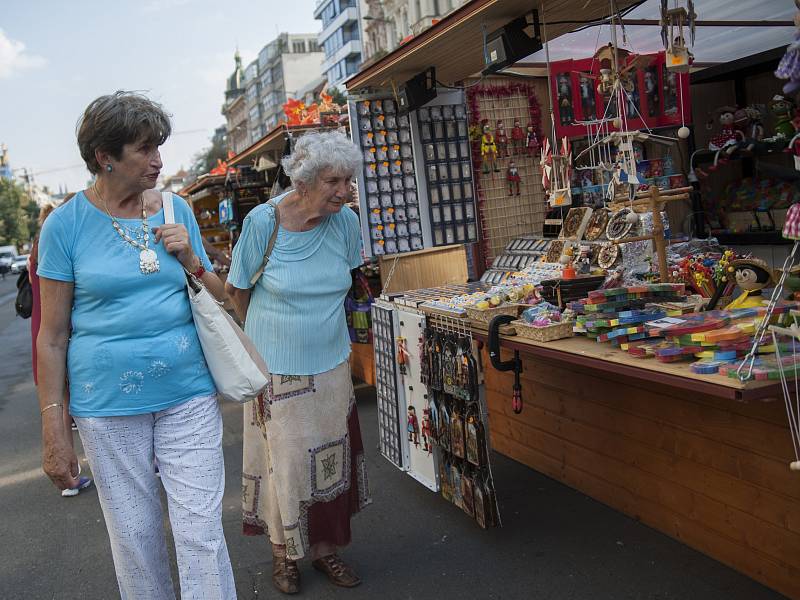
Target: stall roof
[273,141]
[713,45]
[454,44]
[201,183]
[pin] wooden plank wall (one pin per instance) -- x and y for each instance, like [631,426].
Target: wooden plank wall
[362,362]
[711,473]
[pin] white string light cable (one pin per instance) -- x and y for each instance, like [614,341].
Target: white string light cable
[792,411]
[745,369]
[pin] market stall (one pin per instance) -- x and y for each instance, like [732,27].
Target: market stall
[590,343]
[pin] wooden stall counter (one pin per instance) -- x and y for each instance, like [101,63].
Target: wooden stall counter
[701,458]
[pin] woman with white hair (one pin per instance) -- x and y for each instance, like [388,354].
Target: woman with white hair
[303,473]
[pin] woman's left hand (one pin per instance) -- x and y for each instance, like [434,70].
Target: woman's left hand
[176,240]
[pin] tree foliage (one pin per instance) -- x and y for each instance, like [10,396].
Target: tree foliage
[18,214]
[206,159]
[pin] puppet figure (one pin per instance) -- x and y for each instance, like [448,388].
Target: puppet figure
[752,276]
[517,137]
[488,149]
[565,111]
[531,140]
[727,135]
[781,109]
[501,140]
[427,430]
[513,178]
[412,426]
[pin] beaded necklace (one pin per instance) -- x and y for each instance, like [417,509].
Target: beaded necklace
[148,259]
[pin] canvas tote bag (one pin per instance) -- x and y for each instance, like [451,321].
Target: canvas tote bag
[237,368]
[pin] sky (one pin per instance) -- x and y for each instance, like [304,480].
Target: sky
[56,57]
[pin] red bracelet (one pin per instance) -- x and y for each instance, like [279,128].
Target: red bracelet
[199,273]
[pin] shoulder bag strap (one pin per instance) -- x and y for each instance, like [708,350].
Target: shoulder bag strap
[273,236]
[169,209]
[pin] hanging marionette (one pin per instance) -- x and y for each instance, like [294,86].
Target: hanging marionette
[412,426]
[513,178]
[531,140]
[488,149]
[517,137]
[501,140]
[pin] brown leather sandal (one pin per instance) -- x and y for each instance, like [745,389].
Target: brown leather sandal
[337,571]
[285,575]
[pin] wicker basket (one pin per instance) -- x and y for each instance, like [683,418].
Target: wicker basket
[543,334]
[486,315]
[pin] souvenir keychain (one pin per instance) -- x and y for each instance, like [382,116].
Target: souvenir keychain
[455,477]
[479,504]
[446,481]
[444,427]
[449,366]
[457,434]
[474,435]
[467,493]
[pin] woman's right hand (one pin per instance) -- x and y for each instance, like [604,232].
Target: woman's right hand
[59,461]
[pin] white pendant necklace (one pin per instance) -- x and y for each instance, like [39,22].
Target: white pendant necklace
[148,259]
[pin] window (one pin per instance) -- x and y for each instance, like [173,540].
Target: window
[277,73]
[255,114]
[351,65]
[299,46]
[313,46]
[266,79]
[335,73]
[328,14]
[252,93]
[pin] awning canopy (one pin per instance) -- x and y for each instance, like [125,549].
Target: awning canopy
[271,144]
[455,44]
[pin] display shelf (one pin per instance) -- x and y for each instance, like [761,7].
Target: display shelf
[589,353]
[751,238]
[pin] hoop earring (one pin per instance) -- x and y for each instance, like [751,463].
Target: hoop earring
[109,168]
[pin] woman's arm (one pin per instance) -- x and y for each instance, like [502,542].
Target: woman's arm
[240,299]
[58,458]
[214,285]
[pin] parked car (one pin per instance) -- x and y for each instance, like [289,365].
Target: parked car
[19,263]
[7,255]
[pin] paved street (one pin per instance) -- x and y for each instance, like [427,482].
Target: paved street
[557,544]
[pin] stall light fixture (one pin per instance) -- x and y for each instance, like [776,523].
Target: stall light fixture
[512,42]
[417,91]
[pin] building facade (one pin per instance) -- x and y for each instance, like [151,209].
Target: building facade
[254,95]
[386,23]
[340,38]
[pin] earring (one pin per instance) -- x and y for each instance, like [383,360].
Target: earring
[109,168]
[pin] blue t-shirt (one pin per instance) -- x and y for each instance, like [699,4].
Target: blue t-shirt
[134,348]
[296,316]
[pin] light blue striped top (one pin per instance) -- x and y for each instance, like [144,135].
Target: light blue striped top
[296,316]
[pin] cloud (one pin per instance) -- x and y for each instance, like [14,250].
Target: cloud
[14,59]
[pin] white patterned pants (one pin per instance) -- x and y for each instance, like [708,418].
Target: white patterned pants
[187,442]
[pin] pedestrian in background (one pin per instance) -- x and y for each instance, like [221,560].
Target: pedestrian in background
[303,470]
[112,273]
[33,277]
